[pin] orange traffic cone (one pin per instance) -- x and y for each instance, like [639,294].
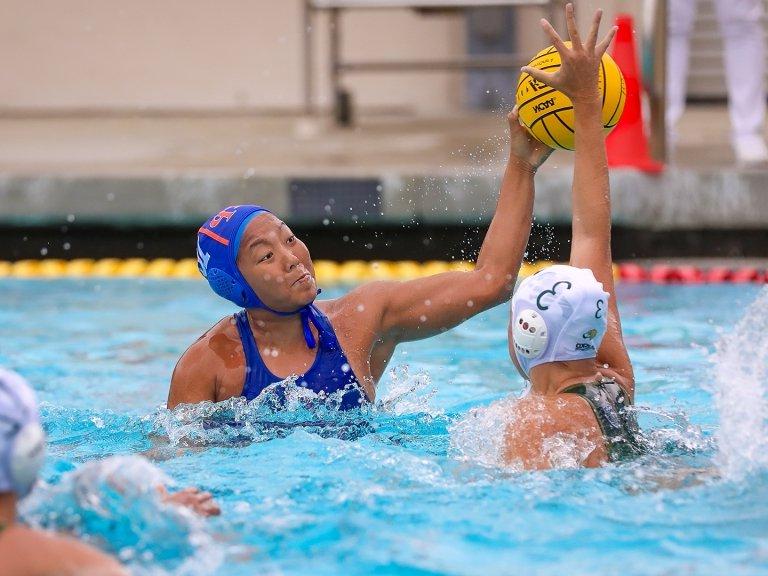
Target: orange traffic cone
[626,144]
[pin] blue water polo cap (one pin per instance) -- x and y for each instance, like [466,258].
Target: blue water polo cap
[218,241]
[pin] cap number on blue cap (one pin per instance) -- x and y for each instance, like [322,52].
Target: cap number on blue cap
[223,215]
[552,291]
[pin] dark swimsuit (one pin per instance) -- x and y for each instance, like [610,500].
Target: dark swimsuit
[609,402]
[329,373]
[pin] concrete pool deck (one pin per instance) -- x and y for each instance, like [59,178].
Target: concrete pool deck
[172,169]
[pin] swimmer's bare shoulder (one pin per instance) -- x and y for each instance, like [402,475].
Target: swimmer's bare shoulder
[26,552]
[536,419]
[211,369]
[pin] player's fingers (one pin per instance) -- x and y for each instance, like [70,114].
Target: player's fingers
[605,42]
[592,37]
[557,41]
[548,78]
[573,31]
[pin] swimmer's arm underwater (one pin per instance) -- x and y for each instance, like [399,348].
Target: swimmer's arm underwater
[421,308]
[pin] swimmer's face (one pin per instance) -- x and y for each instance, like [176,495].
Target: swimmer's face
[276,264]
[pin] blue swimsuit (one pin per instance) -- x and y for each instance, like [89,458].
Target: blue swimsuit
[329,373]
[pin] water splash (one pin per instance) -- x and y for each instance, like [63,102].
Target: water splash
[115,504]
[286,407]
[478,437]
[406,393]
[669,431]
[741,376]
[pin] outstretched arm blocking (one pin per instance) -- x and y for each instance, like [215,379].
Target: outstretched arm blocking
[591,239]
[420,308]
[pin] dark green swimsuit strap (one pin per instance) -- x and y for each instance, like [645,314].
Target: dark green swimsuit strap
[609,402]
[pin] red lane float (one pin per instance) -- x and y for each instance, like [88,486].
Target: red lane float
[688,274]
[663,274]
[632,273]
[719,274]
[744,275]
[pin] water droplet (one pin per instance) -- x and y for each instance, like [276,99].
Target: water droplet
[345,367]
[360,307]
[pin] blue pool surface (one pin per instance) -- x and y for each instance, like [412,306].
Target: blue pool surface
[412,485]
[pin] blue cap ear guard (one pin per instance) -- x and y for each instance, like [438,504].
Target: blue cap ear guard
[218,241]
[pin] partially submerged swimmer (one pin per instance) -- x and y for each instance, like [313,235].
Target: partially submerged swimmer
[577,409]
[26,551]
[340,347]
[115,504]
[565,333]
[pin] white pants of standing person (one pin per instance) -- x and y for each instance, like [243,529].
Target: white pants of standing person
[741,27]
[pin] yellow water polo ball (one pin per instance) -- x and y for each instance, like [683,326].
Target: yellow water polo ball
[548,113]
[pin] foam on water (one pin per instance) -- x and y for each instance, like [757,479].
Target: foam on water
[115,504]
[478,436]
[740,365]
[286,407]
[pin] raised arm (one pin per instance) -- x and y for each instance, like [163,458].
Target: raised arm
[420,308]
[591,236]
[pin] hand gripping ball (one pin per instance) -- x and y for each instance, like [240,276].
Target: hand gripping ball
[548,113]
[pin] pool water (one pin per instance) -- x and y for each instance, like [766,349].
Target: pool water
[411,485]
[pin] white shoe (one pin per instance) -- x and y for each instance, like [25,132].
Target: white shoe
[751,150]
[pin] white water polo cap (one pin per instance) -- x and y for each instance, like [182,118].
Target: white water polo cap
[558,314]
[22,440]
